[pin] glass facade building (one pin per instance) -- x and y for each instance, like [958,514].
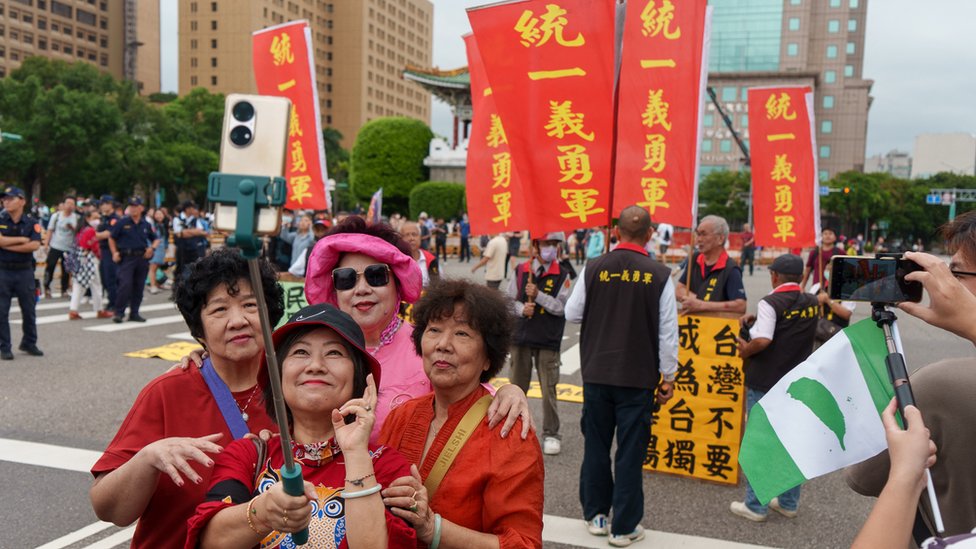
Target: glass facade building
[746,35]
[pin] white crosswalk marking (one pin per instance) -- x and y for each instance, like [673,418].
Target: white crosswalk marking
[185,336]
[570,359]
[89,315]
[76,536]
[113,327]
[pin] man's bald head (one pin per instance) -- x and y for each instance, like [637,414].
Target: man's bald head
[634,224]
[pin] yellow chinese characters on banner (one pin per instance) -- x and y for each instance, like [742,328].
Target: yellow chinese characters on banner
[697,433]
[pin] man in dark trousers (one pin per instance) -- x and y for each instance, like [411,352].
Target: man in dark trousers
[107,268]
[780,337]
[20,235]
[191,234]
[716,280]
[540,289]
[629,348]
[133,242]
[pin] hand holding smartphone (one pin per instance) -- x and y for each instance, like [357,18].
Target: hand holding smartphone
[873,279]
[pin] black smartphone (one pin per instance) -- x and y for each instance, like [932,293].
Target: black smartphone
[873,279]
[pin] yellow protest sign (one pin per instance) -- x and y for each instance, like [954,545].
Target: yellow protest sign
[697,433]
[294,299]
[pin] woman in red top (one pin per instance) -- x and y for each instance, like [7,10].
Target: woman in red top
[86,272]
[327,381]
[491,494]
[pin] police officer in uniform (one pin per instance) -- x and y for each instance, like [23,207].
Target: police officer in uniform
[20,235]
[191,235]
[132,242]
[107,268]
[540,289]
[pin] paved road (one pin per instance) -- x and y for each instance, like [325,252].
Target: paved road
[76,396]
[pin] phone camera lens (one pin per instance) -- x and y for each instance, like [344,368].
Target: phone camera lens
[243,111]
[241,136]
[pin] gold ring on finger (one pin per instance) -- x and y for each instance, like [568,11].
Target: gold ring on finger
[284,517]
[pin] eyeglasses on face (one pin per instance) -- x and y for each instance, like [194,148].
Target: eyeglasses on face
[376,275]
[962,274]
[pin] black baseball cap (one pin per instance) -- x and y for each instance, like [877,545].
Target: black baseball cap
[327,315]
[135,201]
[13,191]
[788,264]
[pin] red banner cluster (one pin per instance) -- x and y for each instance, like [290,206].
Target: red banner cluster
[496,202]
[786,203]
[662,81]
[284,67]
[550,70]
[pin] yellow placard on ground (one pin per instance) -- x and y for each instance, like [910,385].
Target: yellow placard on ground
[697,433]
[172,352]
[564,391]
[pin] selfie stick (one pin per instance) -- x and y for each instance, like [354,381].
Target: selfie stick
[248,194]
[898,375]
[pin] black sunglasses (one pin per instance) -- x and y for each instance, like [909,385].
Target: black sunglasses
[958,274]
[377,275]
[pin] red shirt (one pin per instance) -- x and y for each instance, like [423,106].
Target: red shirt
[175,404]
[328,527]
[823,259]
[495,484]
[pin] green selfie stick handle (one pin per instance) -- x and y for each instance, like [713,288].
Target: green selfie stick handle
[295,486]
[248,193]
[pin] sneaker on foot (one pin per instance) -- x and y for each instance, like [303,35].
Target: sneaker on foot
[105,314]
[136,318]
[6,355]
[739,508]
[154,290]
[598,525]
[551,446]
[31,350]
[73,315]
[117,319]
[624,540]
[774,505]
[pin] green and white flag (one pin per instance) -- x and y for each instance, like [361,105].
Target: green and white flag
[822,416]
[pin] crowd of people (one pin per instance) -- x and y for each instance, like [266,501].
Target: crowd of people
[385,374]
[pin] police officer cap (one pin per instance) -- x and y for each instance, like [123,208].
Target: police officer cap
[13,191]
[135,201]
[788,264]
[107,198]
[189,204]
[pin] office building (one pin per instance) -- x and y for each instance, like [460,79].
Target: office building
[944,152]
[816,43]
[120,37]
[896,163]
[360,49]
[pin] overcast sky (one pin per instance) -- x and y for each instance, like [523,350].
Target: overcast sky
[921,56]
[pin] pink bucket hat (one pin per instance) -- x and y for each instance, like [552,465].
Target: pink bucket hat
[325,256]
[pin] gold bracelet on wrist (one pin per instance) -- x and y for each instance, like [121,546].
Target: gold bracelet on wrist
[251,511]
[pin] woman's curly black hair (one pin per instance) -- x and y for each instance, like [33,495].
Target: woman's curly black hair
[223,266]
[358,225]
[487,312]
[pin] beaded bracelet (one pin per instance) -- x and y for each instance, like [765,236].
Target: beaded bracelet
[361,493]
[247,514]
[359,481]
[436,540]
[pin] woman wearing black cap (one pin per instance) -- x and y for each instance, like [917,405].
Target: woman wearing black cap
[329,389]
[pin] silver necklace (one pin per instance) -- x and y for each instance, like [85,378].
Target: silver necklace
[244,415]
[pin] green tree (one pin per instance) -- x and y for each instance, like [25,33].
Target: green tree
[389,153]
[438,199]
[723,193]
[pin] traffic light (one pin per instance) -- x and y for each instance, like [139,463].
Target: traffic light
[847,190]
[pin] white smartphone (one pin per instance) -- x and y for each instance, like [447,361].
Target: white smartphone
[254,142]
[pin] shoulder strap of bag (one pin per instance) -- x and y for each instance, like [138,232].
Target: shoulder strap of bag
[461,434]
[225,401]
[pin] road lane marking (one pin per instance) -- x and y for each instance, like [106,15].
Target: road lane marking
[182,335]
[63,317]
[76,536]
[570,359]
[113,327]
[48,455]
[572,531]
[114,540]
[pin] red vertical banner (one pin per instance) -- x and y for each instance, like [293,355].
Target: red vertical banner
[550,66]
[496,202]
[284,67]
[662,82]
[786,203]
